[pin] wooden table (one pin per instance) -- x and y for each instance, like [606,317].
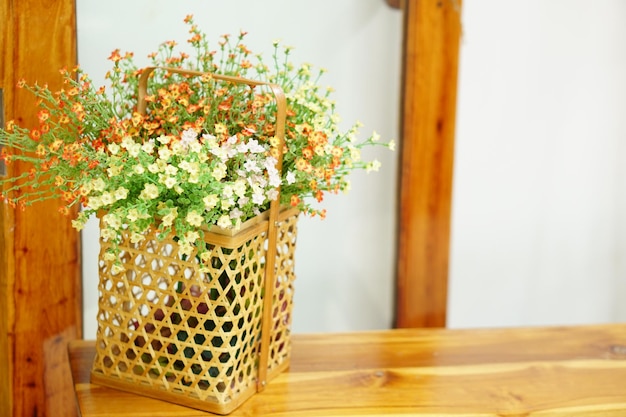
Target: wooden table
[555,371]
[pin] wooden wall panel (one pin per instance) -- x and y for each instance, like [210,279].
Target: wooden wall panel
[40,289]
[431,46]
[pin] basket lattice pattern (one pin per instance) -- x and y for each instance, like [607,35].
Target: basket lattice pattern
[167,330]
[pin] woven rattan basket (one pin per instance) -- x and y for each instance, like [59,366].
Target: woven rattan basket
[207,340]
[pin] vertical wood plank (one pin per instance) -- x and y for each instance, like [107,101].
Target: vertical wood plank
[431,46]
[40,289]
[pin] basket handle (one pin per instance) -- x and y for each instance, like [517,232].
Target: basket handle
[270,256]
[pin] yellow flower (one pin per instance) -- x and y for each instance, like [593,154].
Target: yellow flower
[219,172]
[108,256]
[169,218]
[210,201]
[148,147]
[169,182]
[112,220]
[164,153]
[78,225]
[149,192]
[98,184]
[192,236]
[114,170]
[117,269]
[121,193]
[194,218]
[114,148]
[107,199]
[137,237]
[94,203]
[139,169]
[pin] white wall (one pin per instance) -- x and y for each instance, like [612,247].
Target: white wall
[539,201]
[344,264]
[539,235]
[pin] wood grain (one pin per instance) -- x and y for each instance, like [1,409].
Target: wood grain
[531,372]
[40,291]
[431,43]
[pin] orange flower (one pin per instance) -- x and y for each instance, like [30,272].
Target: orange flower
[68,196]
[35,135]
[295,200]
[301,164]
[43,115]
[115,56]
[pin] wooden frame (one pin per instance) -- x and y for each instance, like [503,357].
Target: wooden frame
[40,289]
[430,61]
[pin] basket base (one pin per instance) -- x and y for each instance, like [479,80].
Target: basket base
[212,406]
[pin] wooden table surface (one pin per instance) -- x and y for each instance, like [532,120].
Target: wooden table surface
[554,371]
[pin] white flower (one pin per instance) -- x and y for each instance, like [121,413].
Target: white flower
[274,179]
[113,148]
[372,166]
[227,191]
[224,221]
[258,197]
[148,147]
[251,166]
[239,187]
[164,139]
[235,213]
[391,145]
[227,203]
[291,177]
[272,194]
[254,147]
[188,137]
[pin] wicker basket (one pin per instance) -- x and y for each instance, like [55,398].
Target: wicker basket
[207,340]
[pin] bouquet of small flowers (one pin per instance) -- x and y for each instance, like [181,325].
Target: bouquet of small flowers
[203,153]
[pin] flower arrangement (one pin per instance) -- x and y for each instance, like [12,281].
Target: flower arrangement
[203,153]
